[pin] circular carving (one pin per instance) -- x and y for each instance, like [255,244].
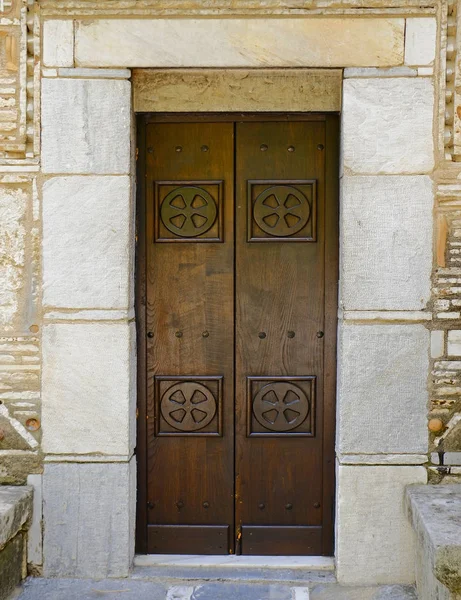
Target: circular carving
[188,211]
[280,406]
[281,210]
[188,406]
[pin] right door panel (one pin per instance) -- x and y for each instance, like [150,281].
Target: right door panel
[280,324]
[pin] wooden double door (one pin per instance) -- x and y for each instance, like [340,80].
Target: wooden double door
[238,334]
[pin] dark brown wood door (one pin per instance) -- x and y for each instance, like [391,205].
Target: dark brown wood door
[241,273]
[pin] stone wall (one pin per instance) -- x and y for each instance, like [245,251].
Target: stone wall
[67,241]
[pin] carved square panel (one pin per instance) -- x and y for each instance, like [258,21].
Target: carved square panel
[188,405]
[282,211]
[281,406]
[188,211]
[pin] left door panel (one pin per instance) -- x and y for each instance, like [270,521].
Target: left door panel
[190,344]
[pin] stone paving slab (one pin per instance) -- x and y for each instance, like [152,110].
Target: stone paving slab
[135,589]
[235,573]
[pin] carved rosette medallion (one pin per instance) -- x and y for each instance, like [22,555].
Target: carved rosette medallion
[188,405]
[281,210]
[281,406]
[188,211]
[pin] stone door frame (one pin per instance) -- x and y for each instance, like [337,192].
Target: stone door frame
[89,393]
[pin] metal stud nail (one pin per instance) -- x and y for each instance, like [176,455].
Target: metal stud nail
[180,504]
[262,335]
[150,150]
[316,504]
[320,147]
[205,334]
[261,506]
[206,505]
[178,148]
[150,334]
[178,334]
[289,506]
[263,147]
[204,148]
[291,148]
[291,334]
[320,334]
[150,505]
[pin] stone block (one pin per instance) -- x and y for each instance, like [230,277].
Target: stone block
[89,519]
[420,41]
[454,343]
[437,343]
[235,90]
[86,126]
[58,43]
[434,512]
[34,535]
[11,566]
[88,388]
[382,132]
[14,205]
[375,542]
[275,42]
[86,242]
[15,510]
[382,389]
[386,242]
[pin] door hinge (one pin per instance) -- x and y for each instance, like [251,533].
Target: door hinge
[137,153]
[137,413]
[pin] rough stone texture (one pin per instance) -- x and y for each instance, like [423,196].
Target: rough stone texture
[381,131]
[382,389]
[15,510]
[14,204]
[34,535]
[239,42]
[435,512]
[95,270]
[437,343]
[454,343]
[386,242]
[58,43]
[86,126]
[237,90]
[19,85]
[183,8]
[11,566]
[89,519]
[88,388]
[420,41]
[375,542]
[95,8]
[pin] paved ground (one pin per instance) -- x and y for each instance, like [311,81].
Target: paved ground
[137,589]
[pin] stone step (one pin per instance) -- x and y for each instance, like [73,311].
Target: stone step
[231,574]
[137,589]
[273,569]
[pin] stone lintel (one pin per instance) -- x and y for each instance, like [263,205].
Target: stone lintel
[234,42]
[237,90]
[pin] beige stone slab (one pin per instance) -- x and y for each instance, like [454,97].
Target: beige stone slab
[375,542]
[288,42]
[237,90]
[58,43]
